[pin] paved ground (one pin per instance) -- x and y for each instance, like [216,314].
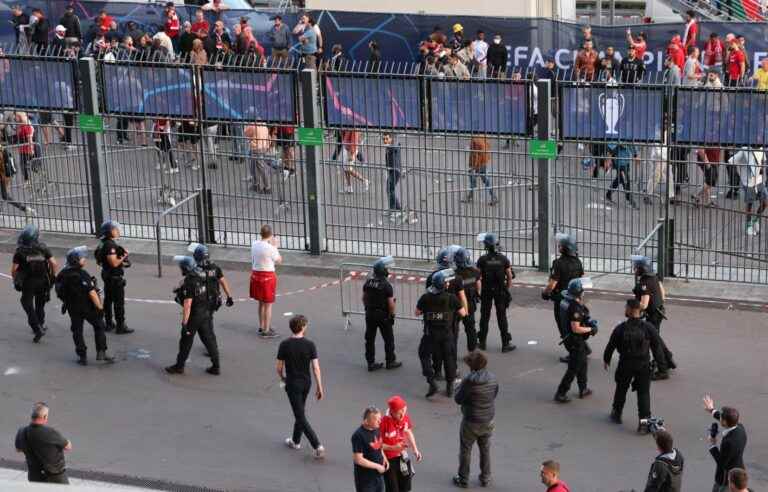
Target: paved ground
[227,432]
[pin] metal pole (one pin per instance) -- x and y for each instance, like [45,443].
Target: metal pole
[94,142]
[613,12]
[661,245]
[599,12]
[310,102]
[543,123]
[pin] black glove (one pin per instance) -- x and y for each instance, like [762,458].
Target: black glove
[184,329]
[513,274]
[545,295]
[230,302]
[594,331]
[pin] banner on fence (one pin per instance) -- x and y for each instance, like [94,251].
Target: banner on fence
[606,112]
[151,90]
[241,95]
[386,102]
[37,83]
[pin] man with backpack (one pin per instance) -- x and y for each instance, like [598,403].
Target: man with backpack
[633,339]
[33,271]
[666,474]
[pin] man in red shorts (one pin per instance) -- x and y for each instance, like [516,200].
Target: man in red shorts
[264,257]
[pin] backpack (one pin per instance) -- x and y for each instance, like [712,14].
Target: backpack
[99,255]
[213,289]
[65,290]
[634,339]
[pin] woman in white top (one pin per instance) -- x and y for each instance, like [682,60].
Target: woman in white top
[264,257]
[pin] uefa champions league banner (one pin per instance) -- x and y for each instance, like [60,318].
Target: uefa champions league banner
[34,83]
[242,95]
[152,90]
[387,102]
[721,117]
[611,112]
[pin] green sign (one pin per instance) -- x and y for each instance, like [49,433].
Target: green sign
[90,123]
[542,149]
[310,136]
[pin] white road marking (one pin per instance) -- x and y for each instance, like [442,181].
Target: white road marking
[532,342]
[289,313]
[11,371]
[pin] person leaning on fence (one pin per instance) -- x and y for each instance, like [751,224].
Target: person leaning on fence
[455,68]
[7,172]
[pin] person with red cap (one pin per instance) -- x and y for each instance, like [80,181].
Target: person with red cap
[397,436]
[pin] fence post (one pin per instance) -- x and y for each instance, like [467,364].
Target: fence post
[94,142]
[661,245]
[544,90]
[310,102]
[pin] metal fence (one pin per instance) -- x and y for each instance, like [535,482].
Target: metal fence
[410,161]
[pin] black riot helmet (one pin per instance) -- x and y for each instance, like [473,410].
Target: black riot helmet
[380,266]
[29,235]
[489,240]
[566,244]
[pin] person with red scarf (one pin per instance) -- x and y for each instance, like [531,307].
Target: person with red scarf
[397,437]
[714,53]
[676,52]
[691,34]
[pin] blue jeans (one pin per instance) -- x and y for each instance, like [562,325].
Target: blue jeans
[474,173]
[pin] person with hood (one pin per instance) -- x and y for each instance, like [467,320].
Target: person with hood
[71,23]
[32,271]
[79,294]
[477,396]
[666,474]
[39,27]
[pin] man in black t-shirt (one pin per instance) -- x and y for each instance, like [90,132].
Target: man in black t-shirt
[43,448]
[370,462]
[294,357]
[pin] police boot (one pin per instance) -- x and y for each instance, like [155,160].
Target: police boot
[615,417]
[39,333]
[213,370]
[561,398]
[659,376]
[122,329]
[375,366]
[102,355]
[432,387]
[109,325]
[449,389]
[82,360]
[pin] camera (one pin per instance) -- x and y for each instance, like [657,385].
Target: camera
[713,430]
[653,424]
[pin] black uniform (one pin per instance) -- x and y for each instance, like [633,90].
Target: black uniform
[437,344]
[114,282]
[74,286]
[648,284]
[576,344]
[493,269]
[212,274]
[33,279]
[376,294]
[455,287]
[634,339]
[564,269]
[193,287]
[469,277]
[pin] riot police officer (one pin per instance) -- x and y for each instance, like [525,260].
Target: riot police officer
[33,271]
[469,276]
[650,292]
[633,339]
[379,302]
[496,279]
[564,269]
[79,294]
[578,326]
[113,260]
[215,280]
[192,295]
[439,307]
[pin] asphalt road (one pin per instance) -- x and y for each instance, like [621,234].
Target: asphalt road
[226,432]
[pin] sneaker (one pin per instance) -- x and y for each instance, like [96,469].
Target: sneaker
[319,453]
[375,366]
[175,170]
[286,174]
[349,190]
[268,334]
[174,369]
[756,226]
[750,230]
[213,370]
[30,212]
[460,483]
[367,184]
[561,398]
[289,442]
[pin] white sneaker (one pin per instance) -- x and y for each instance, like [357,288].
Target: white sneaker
[30,212]
[174,170]
[349,190]
[319,453]
[289,442]
[750,230]
[367,184]
[756,226]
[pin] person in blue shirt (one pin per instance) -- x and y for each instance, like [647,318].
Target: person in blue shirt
[622,156]
[308,41]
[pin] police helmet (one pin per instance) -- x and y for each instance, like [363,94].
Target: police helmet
[566,243]
[440,281]
[641,264]
[489,240]
[576,287]
[107,228]
[463,258]
[199,252]
[28,235]
[380,266]
[186,263]
[445,256]
[74,255]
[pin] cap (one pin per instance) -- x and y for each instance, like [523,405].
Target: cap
[457,27]
[60,28]
[396,403]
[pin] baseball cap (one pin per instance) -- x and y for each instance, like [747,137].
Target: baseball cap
[396,403]
[60,28]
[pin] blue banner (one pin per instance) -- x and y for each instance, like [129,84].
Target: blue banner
[43,84]
[386,102]
[152,90]
[604,112]
[240,95]
[721,117]
[469,106]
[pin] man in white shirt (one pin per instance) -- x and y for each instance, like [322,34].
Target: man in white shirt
[480,48]
[750,165]
[264,257]
[660,162]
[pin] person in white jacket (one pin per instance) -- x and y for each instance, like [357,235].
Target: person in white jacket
[751,165]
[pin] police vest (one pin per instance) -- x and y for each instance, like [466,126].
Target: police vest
[438,314]
[375,294]
[212,286]
[101,256]
[469,278]
[34,270]
[193,286]
[494,271]
[73,286]
[648,285]
[569,268]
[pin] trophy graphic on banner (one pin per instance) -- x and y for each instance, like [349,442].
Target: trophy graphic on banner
[611,106]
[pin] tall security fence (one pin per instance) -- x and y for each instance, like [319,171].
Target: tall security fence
[391,159]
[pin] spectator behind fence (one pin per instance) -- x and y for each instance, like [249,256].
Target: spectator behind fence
[640,43]
[609,65]
[338,62]
[455,69]
[676,51]
[188,36]
[586,35]
[761,75]
[220,41]
[374,56]
[200,22]
[714,53]
[738,480]
[215,6]
[198,55]
[550,476]
[737,64]
[172,27]
[39,28]
[480,48]
[692,71]
[71,23]
[457,41]
[20,21]
[672,75]
[280,37]
[465,53]
[309,46]
[691,33]
[747,59]
[730,454]
[497,57]
[632,68]
[261,153]
[43,448]
[59,42]
[586,62]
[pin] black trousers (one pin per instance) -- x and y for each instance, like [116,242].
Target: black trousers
[33,301]
[6,194]
[436,347]
[734,178]
[639,377]
[394,480]
[379,321]
[488,298]
[622,178]
[297,397]
[470,330]
[577,367]
[201,326]
[122,126]
[97,322]
[114,299]
[679,158]
[61,479]
[69,122]
[393,178]
[663,365]
[556,304]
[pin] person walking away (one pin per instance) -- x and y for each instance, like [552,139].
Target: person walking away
[350,141]
[370,462]
[479,157]
[397,439]
[43,448]
[32,271]
[752,165]
[622,155]
[477,396]
[264,257]
[295,356]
